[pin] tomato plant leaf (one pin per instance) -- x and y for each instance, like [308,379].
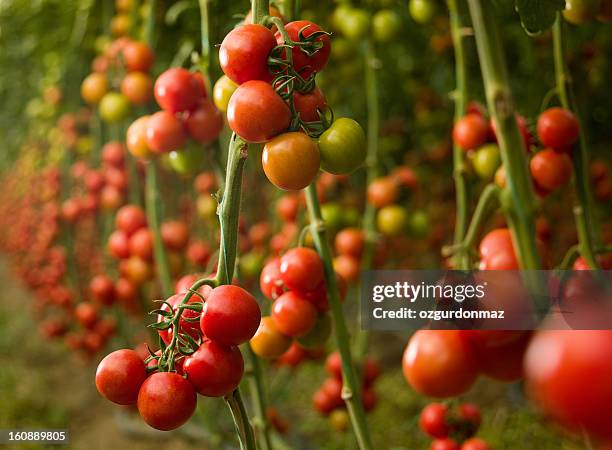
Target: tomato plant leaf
[538,15]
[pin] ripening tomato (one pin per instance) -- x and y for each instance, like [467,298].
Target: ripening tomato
[270,282]
[342,146]
[268,342]
[175,234]
[510,367]
[303,63]
[291,160]
[355,23]
[433,420]
[470,132]
[86,314]
[231,315]
[111,198]
[126,291]
[444,444]
[301,269]
[422,11]
[348,267]
[557,128]
[310,104]
[166,400]
[257,113]
[350,241]
[113,154]
[94,87]
[121,25]
[120,375]
[550,169]
[165,132]
[185,326]
[114,107]
[244,53]
[205,122]
[136,138]
[118,244]
[141,244]
[383,191]
[386,25]
[392,220]
[486,160]
[568,375]
[102,289]
[137,87]
[136,269]
[178,90]
[475,444]
[130,218]
[214,370]
[138,56]
[222,92]
[439,363]
[497,251]
[293,315]
[580,12]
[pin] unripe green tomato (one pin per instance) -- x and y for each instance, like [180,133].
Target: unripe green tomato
[486,160]
[251,264]
[222,92]
[339,420]
[580,12]
[418,223]
[101,43]
[342,147]
[339,15]
[206,206]
[386,24]
[114,107]
[356,24]
[392,220]
[188,160]
[352,216]
[84,145]
[343,50]
[318,336]
[422,11]
[332,215]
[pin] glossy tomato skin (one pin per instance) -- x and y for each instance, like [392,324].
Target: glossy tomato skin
[222,92]
[165,132]
[137,87]
[138,56]
[270,282]
[557,364]
[350,242]
[497,251]
[433,420]
[186,327]
[439,363]
[310,104]
[257,113]
[301,269]
[102,289]
[244,53]
[114,107]
[94,87]
[205,122]
[166,400]
[118,244]
[470,132]
[306,65]
[268,342]
[136,138]
[342,146]
[178,90]
[141,244]
[293,315]
[383,191]
[214,370]
[550,169]
[130,218]
[291,160]
[175,234]
[231,315]
[120,375]
[557,128]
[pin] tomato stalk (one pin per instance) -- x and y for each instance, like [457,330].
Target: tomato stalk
[256,385]
[350,391]
[149,24]
[586,221]
[241,420]
[518,199]
[459,96]
[259,10]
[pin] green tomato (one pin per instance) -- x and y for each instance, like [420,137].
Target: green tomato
[343,50]
[332,215]
[251,264]
[84,145]
[206,206]
[392,220]
[352,216]
[486,160]
[580,12]
[114,107]
[342,147]
[188,160]
[339,15]
[318,336]
[418,223]
[222,92]
[356,24]
[422,11]
[386,24]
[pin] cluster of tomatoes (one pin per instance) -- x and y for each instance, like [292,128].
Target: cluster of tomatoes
[278,103]
[328,400]
[449,426]
[201,331]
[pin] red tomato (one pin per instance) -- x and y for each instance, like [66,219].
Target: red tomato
[118,245]
[270,282]
[301,269]
[444,444]
[304,64]
[333,365]
[137,87]
[138,56]
[102,289]
[350,242]
[120,375]
[287,207]
[257,113]
[293,315]
[557,128]
[130,218]
[86,314]
[309,104]
[214,370]
[550,169]
[439,363]
[165,132]
[175,234]
[113,154]
[291,160]
[433,420]
[231,315]
[382,192]
[186,327]
[244,53]
[497,251]
[509,368]
[141,244]
[205,122]
[178,90]
[127,292]
[470,132]
[166,400]
[475,444]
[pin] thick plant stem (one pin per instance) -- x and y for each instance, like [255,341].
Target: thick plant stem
[205,35]
[586,222]
[519,203]
[151,206]
[459,97]
[490,194]
[351,389]
[243,427]
[259,9]
[258,395]
[149,24]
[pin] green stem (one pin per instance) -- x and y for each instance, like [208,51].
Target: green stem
[149,25]
[489,194]
[460,97]
[351,389]
[260,9]
[518,203]
[205,32]
[151,204]
[260,423]
[586,222]
[243,427]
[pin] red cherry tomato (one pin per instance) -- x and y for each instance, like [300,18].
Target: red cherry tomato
[120,375]
[205,122]
[130,218]
[497,251]
[141,244]
[444,444]
[186,327]
[178,90]
[293,315]
[470,132]
[309,104]
[175,234]
[557,128]
[165,132]
[138,56]
[269,280]
[433,420]
[475,444]
[214,370]
[301,269]
[304,64]
[244,53]
[102,289]
[550,169]
[118,245]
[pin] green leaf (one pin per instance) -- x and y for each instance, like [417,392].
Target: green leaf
[538,15]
